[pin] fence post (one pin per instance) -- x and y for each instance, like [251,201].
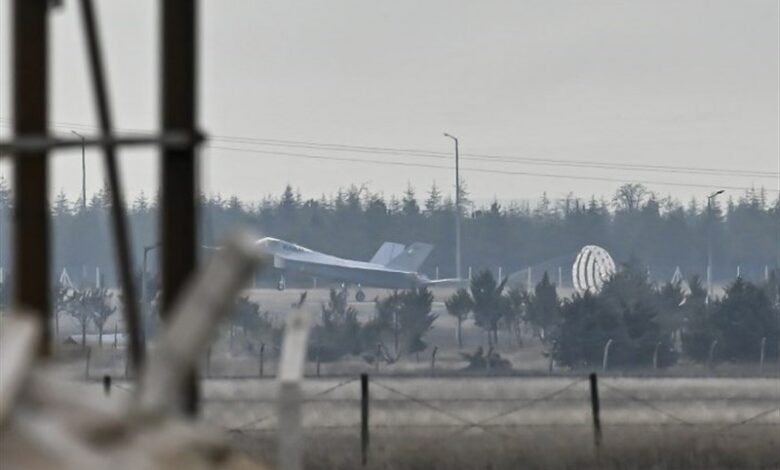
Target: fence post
[595,407]
[711,357]
[605,358]
[433,360]
[364,419]
[378,355]
[86,370]
[208,362]
[262,358]
[107,385]
[761,359]
[290,376]
[655,355]
[552,364]
[318,362]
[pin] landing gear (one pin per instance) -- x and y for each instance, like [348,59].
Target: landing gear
[360,296]
[281,285]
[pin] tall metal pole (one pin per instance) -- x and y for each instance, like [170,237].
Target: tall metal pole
[178,209]
[83,173]
[709,240]
[30,108]
[118,211]
[457,207]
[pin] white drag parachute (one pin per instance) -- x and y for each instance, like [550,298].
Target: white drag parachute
[592,267]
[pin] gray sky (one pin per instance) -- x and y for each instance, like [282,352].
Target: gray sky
[669,83]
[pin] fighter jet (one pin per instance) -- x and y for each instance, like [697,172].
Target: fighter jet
[394,266]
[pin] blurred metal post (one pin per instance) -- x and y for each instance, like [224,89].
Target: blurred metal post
[178,199]
[560,277]
[761,358]
[144,282]
[30,112]
[595,408]
[364,436]
[291,367]
[118,210]
[107,385]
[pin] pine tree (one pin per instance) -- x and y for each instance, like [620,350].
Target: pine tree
[459,305]
[61,205]
[433,203]
[410,208]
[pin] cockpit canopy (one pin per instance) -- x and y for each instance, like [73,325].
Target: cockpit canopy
[275,245]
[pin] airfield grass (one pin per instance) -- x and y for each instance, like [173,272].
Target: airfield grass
[536,447]
[537,439]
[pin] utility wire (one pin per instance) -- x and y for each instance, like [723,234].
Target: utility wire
[605,165]
[482,170]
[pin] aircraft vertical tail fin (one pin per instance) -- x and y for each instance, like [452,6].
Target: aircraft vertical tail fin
[387,252]
[412,257]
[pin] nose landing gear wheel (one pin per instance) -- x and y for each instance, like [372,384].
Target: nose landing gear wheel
[360,296]
[281,285]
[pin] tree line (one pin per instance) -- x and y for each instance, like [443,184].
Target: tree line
[640,323]
[353,222]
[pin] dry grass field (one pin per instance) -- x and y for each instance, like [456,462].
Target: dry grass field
[683,417]
[647,423]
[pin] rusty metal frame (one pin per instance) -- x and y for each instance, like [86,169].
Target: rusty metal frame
[32,143]
[178,184]
[30,108]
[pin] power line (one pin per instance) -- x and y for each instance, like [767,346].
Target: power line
[478,170]
[499,158]
[604,165]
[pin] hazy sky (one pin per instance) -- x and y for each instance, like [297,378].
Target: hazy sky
[667,83]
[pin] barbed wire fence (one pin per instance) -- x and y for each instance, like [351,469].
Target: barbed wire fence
[455,421]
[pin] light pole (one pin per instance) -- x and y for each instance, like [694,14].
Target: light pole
[457,208]
[710,198]
[83,173]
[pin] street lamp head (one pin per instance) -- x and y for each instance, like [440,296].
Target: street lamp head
[720,191]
